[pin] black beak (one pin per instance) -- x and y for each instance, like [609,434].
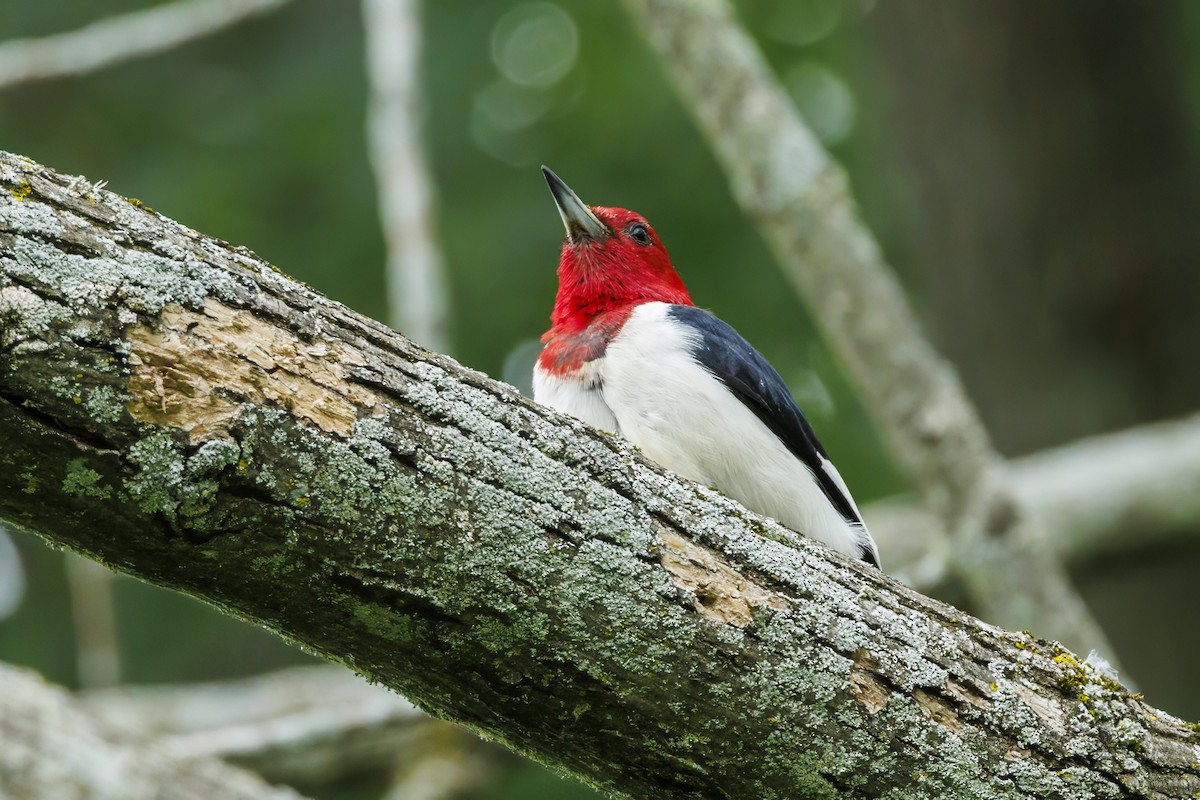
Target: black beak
[578,219]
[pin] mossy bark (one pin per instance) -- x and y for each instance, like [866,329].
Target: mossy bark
[178,409]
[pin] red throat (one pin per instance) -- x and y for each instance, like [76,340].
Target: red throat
[608,277]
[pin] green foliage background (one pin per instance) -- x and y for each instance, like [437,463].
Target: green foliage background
[1031,170]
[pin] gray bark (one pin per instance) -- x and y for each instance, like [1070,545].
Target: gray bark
[178,409]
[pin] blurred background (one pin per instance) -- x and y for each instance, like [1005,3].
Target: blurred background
[1031,169]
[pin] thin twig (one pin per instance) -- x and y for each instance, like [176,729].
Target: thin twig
[121,38]
[309,725]
[93,611]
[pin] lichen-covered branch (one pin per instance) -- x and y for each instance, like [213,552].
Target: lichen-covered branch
[50,748]
[180,410]
[800,200]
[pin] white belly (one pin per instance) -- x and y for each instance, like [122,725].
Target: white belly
[577,394]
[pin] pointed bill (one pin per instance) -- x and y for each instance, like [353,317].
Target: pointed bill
[577,218]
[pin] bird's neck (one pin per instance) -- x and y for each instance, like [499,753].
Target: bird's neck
[581,299]
[597,291]
[576,339]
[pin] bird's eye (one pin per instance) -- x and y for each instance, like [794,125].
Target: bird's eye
[638,232]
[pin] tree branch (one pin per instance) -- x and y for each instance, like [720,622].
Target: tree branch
[1105,495]
[178,409]
[121,38]
[93,614]
[800,199]
[305,725]
[51,748]
[416,282]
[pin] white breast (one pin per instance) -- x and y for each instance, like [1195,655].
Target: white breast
[577,394]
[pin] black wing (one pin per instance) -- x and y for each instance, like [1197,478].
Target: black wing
[729,357]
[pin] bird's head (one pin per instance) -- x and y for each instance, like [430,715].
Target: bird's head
[612,260]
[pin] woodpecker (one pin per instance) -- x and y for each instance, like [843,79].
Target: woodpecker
[628,352]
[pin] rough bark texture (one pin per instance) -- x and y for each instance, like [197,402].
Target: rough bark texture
[180,410]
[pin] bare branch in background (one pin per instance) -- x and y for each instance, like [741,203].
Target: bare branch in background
[1110,494]
[121,38]
[50,748]
[800,200]
[1095,495]
[309,725]
[444,763]
[416,283]
[93,613]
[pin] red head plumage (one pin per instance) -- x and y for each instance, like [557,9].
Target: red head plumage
[611,262]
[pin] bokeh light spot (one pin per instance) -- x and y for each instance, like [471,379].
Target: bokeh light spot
[804,22]
[535,44]
[824,100]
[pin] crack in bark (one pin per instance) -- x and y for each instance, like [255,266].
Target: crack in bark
[84,440]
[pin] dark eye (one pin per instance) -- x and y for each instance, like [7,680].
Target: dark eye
[637,231]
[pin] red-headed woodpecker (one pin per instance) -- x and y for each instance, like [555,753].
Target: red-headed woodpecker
[629,353]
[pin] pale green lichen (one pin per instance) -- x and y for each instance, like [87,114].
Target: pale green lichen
[35,218]
[26,315]
[160,462]
[31,481]
[169,482]
[105,404]
[83,481]
[67,388]
[142,281]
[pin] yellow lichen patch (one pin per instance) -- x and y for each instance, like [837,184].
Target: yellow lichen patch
[865,684]
[21,190]
[722,593]
[938,710]
[194,370]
